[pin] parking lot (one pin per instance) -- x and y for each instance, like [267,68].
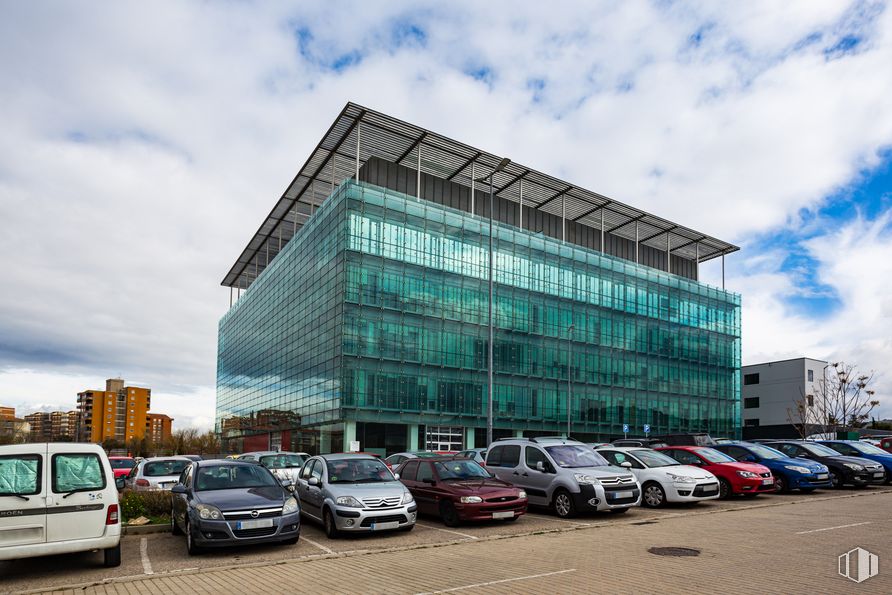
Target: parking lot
[791,530]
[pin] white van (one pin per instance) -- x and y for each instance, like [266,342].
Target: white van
[58,498]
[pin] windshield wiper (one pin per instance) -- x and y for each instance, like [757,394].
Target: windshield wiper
[22,496]
[71,492]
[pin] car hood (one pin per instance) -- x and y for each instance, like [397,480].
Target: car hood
[689,470]
[242,498]
[382,489]
[479,486]
[849,459]
[751,467]
[812,466]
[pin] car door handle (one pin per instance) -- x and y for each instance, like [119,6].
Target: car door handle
[525,474]
[516,473]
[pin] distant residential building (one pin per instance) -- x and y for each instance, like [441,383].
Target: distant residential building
[117,413]
[770,392]
[7,413]
[158,427]
[13,429]
[53,426]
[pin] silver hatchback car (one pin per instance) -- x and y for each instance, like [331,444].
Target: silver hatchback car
[354,493]
[156,473]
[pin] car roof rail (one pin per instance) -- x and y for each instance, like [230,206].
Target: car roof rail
[515,438]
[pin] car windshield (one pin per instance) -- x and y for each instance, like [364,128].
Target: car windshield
[162,468]
[819,450]
[121,463]
[230,477]
[358,471]
[765,452]
[714,456]
[571,456]
[281,461]
[868,449]
[460,469]
[652,458]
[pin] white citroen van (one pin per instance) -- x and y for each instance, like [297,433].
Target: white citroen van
[58,498]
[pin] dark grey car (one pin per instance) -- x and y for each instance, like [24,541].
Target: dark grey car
[224,503]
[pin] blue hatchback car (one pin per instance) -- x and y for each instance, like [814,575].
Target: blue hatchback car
[855,448]
[789,473]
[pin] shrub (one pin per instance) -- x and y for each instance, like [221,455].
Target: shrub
[150,504]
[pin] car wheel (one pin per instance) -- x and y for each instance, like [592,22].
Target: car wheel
[174,528]
[563,504]
[780,484]
[724,489]
[654,496]
[620,510]
[448,513]
[191,548]
[331,529]
[113,556]
[835,482]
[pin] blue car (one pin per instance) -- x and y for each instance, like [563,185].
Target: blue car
[855,448]
[790,473]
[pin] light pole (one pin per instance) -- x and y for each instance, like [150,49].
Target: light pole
[569,364]
[502,164]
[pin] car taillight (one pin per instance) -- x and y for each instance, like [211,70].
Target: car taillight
[111,517]
[142,483]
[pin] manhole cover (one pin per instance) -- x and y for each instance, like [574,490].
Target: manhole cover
[674,551]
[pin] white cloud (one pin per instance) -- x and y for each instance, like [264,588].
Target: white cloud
[143,145]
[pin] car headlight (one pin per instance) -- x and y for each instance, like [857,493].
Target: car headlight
[407,498]
[747,474]
[348,501]
[290,506]
[583,479]
[681,478]
[521,494]
[208,512]
[798,469]
[854,466]
[471,499]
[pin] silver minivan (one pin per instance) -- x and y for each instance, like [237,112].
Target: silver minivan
[566,475]
[354,493]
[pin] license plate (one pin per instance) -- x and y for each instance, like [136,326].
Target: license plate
[710,489]
[508,514]
[622,494]
[258,524]
[880,474]
[822,476]
[385,526]
[767,482]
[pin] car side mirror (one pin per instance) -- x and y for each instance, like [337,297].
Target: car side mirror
[179,489]
[626,465]
[396,476]
[313,481]
[540,466]
[119,483]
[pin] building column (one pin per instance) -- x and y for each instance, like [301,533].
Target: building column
[469,438]
[324,441]
[412,437]
[349,435]
[518,433]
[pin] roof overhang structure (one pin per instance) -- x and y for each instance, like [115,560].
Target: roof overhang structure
[359,133]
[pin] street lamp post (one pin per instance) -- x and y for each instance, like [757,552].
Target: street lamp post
[569,368]
[502,164]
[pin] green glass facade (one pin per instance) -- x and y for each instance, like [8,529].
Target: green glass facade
[375,315]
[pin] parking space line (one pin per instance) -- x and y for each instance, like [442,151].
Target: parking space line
[499,582]
[319,545]
[446,530]
[832,528]
[144,554]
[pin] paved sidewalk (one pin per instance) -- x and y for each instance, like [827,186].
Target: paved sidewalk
[790,547]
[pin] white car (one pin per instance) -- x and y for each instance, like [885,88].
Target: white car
[284,465]
[156,473]
[58,498]
[662,478]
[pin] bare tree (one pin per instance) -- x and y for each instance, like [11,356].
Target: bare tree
[842,399]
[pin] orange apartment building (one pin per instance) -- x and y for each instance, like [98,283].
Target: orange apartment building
[158,427]
[117,413]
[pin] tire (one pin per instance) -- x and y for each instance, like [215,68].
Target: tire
[780,484]
[191,548]
[563,504]
[174,528]
[620,510]
[725,490]
[835,480]
[112,556]
[331,529]
[449,514]
[653,495]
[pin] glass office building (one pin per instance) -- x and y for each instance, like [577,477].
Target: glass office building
[368,328]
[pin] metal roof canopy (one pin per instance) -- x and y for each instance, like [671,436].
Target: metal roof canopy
[359,133]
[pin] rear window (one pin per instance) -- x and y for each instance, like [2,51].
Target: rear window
[162,468]
[77,472]
[121,463]
[280,461]
[20,475]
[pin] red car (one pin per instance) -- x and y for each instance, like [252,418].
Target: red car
[749,479]
[886,444]
[460,490]
[121,466]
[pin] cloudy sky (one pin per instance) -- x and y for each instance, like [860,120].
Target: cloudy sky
[143,143]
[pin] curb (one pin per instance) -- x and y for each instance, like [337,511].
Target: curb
[146,529]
